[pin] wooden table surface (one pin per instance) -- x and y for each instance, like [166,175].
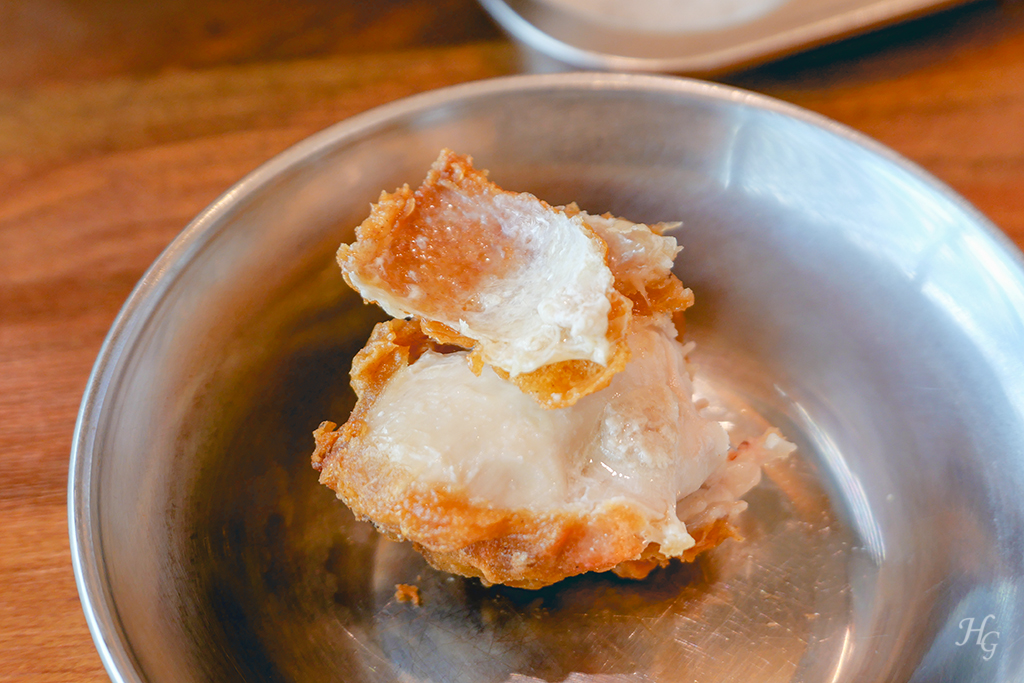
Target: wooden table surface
[120,120]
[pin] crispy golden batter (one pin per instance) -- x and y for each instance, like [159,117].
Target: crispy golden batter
[525,548]
[520,548]
[421,249]
[512,547]
[469,269]
[407,593]
[560,385]
[436,253]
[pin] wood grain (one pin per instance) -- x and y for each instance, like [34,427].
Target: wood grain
[58,41]
[93,188]
[107,151]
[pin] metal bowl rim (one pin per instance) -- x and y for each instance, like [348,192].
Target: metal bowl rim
[86,544]
[847,23]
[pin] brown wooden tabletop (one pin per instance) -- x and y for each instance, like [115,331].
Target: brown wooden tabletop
[119,121]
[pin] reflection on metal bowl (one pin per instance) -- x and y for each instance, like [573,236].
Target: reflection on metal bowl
[841,294]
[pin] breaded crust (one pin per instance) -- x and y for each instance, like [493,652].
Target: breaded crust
[436,252]
[547,296]
[517,547]
[520,548]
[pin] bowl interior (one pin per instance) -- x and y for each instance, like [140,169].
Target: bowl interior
[840,294]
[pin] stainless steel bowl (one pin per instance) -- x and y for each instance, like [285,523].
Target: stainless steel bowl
[841,293]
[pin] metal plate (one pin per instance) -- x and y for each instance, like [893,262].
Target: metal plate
[690,36]
[842,294]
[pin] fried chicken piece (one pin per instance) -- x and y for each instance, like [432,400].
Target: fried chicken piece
[487,483]
[533,419]
[532,289]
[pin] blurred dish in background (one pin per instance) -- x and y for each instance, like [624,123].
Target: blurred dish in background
[690,36]
[669,16]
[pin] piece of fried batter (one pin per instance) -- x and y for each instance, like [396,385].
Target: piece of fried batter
[533,418]
[543,294]
[487,483]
